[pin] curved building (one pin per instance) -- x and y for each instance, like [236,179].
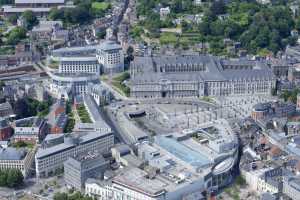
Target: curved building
[74,83]
[71,65]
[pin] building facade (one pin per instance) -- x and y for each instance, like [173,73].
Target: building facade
[101,95]
[88,165]
[6,110]
[21,159]
[32,129]
[39,3]
[196,76]
[50,160]
[291,187]
[75,83]
[110,56]
[71,65]
[5,129]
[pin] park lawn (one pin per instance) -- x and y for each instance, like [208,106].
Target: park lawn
[100,6]
[122,87]
[53,64]
[118,82]
[22,144]
[83,114]
[168,38]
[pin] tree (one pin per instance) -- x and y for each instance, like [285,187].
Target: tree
[56,14]
[16,35]
[4,2]
[130,51]
[2,84]
[30,19]
[3,178]
[21,108]
[60,196]
[13,19]
[14,178]
[204,28]
[218,7]
[217,28]
[177,6]
[297,24]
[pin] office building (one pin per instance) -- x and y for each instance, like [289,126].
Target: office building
[293,128]
[110,56]
[53,140]
[71,65]
[9,10]
[21,159]
[101,95]
[50,160]
[75,51]
[291,187]
[39,3]
[75,84]
[81,167]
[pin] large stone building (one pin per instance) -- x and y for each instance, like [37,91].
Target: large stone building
[198,75]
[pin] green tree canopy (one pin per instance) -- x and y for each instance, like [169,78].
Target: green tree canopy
[30,19]
[16,35]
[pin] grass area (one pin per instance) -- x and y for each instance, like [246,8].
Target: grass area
[103,78]
[207,99]
[240,181]
[71,120]
[100,6]
[234,190]
[22,144]
[53,64]
[118,82]
[168,38]
[83,114]
[6,50]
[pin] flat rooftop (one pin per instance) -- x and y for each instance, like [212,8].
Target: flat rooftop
[11,9]
[78,59]
[29,122]
[151,69]
[135,179]
[11,153]
[183,152]
[70,142]
[39,1]
[75,49]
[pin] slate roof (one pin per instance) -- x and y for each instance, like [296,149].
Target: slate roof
[148,69]
[11,153]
